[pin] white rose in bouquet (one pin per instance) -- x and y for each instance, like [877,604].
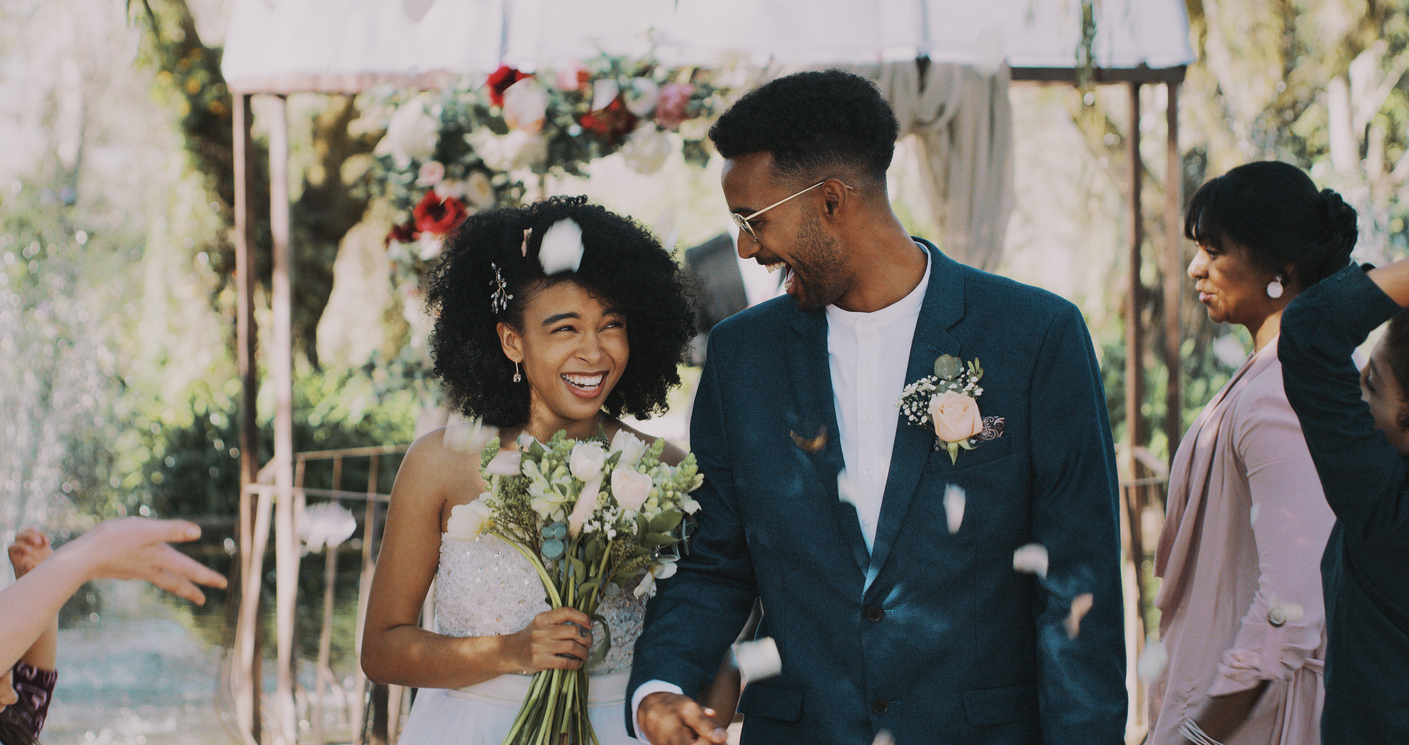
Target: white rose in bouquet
[630,446]
[586,461]
[630,488]
[469,520]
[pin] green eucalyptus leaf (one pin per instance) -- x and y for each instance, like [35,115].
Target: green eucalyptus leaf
[948,367]
[666,521]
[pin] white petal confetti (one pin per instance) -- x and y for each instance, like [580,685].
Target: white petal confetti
[561,249]
[1152,660]
[467,435]
[954,506]
[847,488]
[758,659]
[1080,605]
[1032,559]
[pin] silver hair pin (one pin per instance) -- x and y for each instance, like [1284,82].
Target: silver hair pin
[499,299]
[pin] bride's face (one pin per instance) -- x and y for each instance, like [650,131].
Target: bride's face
[573,348]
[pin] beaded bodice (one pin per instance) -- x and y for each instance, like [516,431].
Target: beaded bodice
[485,587]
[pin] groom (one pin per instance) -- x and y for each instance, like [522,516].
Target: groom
[894,605]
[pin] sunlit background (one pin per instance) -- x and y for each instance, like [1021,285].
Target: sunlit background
[119,390]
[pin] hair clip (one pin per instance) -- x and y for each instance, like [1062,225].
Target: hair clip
[499,299]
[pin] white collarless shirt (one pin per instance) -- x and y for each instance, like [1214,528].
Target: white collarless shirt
[868,355]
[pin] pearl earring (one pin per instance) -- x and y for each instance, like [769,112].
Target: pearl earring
[518,377]
[1274,288]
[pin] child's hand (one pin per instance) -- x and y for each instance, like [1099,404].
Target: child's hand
[30,548]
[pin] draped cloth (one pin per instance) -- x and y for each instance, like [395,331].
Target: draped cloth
[963,120]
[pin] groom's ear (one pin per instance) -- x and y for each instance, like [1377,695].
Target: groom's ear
[834,197]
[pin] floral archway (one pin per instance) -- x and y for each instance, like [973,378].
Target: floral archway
[484,142]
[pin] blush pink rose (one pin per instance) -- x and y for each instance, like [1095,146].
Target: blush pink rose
[673,106]
[955,416]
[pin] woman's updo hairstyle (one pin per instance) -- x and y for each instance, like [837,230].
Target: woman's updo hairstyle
[1274,211]
[621,263]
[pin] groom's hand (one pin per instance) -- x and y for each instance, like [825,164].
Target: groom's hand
[673,719]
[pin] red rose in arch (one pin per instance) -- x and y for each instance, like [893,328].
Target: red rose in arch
[437,216]
[500,80]
[610,124]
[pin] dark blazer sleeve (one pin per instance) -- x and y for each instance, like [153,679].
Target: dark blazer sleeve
[1081,685]
[697,614]
[1363,476]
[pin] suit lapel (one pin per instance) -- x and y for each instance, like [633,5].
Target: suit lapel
[815,423]
[943,307]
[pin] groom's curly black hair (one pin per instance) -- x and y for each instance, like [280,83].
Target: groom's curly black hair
[813,123]
[621,263]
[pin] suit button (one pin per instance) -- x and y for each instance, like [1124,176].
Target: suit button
[879,706]
[874,614]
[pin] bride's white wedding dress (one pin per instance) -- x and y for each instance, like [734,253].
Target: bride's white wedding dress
[485,587]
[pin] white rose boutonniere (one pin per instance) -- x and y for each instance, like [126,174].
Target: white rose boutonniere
[947,402]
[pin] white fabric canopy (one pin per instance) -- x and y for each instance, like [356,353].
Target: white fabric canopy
[959,111]
[280,45]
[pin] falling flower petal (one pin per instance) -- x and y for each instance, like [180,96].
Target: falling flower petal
[603,93]
[954,506]
[1252,514]
[1079,607]
[467,435]
[758,659]
[326,524]
[586,503]
[1152,660]
[506,463]
[1032,559]
[847,489]
[561,249]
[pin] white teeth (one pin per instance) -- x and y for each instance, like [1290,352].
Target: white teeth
[585,381]
[773,267]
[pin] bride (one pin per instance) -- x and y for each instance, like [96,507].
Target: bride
[537,330]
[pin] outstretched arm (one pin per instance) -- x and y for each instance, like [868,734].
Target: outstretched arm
[129,548]
[30,548]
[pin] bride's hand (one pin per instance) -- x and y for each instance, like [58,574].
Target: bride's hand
[558,638]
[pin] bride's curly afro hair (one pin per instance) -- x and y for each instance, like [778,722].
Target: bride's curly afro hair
[621,263]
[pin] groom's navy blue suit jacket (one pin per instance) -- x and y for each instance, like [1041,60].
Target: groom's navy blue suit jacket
[932,636]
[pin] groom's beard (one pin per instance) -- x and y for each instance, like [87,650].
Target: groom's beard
[819,273]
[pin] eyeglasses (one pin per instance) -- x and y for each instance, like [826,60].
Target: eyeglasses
[743,222]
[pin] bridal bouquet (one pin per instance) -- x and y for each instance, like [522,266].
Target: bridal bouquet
[589,516]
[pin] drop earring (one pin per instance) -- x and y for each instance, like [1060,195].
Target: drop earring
[1274,288]
[518,377]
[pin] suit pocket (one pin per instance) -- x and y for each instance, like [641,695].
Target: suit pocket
[772,701]
[985,452]
[1005,705]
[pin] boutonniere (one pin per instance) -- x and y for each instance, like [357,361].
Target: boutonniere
[947,401]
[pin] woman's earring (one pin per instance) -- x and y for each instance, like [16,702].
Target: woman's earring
[1274,288]
[518,377]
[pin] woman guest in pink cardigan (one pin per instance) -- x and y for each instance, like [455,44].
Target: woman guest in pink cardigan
[1241,606]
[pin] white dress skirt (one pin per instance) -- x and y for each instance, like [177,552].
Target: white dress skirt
[484,587]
